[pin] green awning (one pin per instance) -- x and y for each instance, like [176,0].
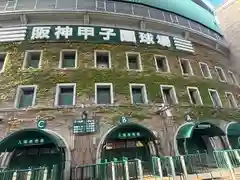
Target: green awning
[185,131]
[130,131]
[29,137]
[200,128]
[233,129]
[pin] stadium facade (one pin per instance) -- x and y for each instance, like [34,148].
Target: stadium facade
[87,81]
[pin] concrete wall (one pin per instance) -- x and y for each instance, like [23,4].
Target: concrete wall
[229,18]
[84,148]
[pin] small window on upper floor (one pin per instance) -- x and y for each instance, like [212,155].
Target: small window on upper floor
[186,67]
[32,59]
[133,61]
[215,98]
[26,96]
[65,94]
[231,100]
[205,70]
[103,93]
[68,59]
[194,95]
[102,59]
[169,94]
[232,78]
[161,63]
[220,73]
[138,94]
[2,61]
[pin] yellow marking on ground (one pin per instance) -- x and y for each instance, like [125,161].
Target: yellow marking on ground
[157,178]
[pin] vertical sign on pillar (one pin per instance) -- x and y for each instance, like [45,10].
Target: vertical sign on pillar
[123,120]
[41,123]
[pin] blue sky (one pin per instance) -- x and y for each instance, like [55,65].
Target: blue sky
[216,2]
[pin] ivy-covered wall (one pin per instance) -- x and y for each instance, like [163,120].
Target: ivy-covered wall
[86,75]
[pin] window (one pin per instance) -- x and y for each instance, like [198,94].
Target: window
[65,94]
[194,95]
[138,94]
[68,59]
[134,61]
[185,67]
[220,73]
[32,59]
[102,59]
[26,96]
[161,63]
[205,70]
[231,100]
[103,93]
[2,61]
[232,77]
[169,94]
[215,98]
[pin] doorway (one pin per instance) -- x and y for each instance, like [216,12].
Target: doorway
[33,148]
[129,141]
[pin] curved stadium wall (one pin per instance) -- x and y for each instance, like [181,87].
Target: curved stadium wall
[87,66]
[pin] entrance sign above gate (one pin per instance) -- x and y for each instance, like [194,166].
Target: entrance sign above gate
[106,35]
[30,142]
[128,135]
[203,126]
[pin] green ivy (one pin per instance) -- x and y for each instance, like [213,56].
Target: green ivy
[85,76]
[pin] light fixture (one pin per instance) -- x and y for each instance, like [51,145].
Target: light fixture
[84,115]
[188,118]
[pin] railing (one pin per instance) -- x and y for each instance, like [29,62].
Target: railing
[197,163]
[107,6]
[42,173]
[220,164]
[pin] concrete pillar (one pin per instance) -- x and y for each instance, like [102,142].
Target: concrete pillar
[86,19]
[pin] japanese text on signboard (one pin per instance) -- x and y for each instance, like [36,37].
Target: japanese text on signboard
[100,34]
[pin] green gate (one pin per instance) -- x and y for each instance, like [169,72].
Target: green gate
[41,173]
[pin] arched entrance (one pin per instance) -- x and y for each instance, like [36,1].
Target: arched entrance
[233,135]
[29,148]
[199,137]
[128,140]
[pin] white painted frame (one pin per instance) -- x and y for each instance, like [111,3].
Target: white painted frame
[166,61]
[61,58]
[109,57]
[17,97]
[144,92]
[224,75]
[174,93]
[199,95]
[234,77]
[233,98]
[189,65]
[139,60]
[5,60]
[214,90]
[26,55]
[60,85]
[208,70]
[111,91]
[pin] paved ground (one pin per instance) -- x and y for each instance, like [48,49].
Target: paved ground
[216,175]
